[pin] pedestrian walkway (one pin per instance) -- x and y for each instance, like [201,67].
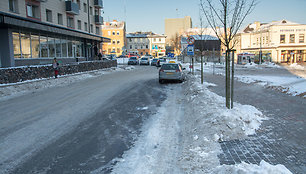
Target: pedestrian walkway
[280,140]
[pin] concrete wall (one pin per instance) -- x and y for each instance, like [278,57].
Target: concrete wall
[19,74]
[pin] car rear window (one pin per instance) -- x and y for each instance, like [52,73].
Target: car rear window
[133,58]
[170,66]
[144,58]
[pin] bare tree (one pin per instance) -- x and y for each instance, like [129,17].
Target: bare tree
[176,43]
[225,18]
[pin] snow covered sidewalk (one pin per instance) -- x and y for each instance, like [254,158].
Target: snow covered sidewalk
[184,136]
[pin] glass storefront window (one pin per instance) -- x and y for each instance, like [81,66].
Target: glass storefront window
[43,46]
[35,46]
[25,45]
[16,45]
[69,48]
[51,46]
[64,48]
[58,47]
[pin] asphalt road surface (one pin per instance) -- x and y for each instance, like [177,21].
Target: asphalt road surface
[77,128]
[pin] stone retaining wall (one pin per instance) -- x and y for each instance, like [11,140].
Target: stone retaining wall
[19,74]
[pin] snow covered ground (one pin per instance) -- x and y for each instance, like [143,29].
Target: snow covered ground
[172,142]
[292,83]
[183,137]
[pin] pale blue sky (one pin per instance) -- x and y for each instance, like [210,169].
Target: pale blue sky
[149,15]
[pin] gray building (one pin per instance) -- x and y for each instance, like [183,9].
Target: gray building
[35,31]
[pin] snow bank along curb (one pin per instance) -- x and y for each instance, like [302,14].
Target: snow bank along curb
[18,74]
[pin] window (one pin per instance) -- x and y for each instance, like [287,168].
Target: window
[118,33]
[51,46]
[85,7]
[159,39]
[35,46]
[60,18]
[91,28]
[97,30]
[79,25]
[79,4]
[33,11]
[282,38]
[118,42]
[90,10]
[114,42]
[292,38]
[16,45]
[301,38]
[109,33]
[109,50]
[118,50]
[131,47]
[130,39]
[25,45]
[114,33]
[70,22]
[64,47]
[43,46]
[147,46]
[85,26]
[48,15]
[13,6]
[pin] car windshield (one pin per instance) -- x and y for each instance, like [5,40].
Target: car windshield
[154,60]
[133,58]
[170,67]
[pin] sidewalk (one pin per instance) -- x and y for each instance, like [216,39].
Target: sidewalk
[280,139]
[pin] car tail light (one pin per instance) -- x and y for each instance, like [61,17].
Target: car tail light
[178,70]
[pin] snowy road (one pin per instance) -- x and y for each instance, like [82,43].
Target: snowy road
[77,128]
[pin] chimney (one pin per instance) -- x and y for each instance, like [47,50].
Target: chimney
[257,25]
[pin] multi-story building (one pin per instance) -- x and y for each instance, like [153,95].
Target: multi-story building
[176,26]
[116,31]
[157,45]
[138,43]
[36,31]
[280,41]
[146,43]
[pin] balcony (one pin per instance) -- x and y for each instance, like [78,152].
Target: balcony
[98,3]
[98,19]
[72,8]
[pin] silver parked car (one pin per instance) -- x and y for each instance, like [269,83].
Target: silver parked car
[144,61]
[171,72]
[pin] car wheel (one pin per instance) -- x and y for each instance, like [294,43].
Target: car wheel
[161,81]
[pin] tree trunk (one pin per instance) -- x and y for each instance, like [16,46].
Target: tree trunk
[202,69]
[232,85]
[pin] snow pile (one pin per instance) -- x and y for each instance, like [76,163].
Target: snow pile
[244,168]
[297,66]
[292,85]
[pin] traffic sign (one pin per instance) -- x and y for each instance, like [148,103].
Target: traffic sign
[190,50]
[190,40]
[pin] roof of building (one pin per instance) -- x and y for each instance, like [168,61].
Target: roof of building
[140,34]
[198,37]
[113,25]
[257,26]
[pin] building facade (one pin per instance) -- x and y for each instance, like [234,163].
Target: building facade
[176,26]
[157,45]
[36,31]
[279,41]
[138,43]
[116,31]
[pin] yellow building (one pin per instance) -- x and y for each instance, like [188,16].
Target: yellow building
[278,41]
[176,26]
[116,31]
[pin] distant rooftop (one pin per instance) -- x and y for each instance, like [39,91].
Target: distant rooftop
[113,25]
[256,26]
